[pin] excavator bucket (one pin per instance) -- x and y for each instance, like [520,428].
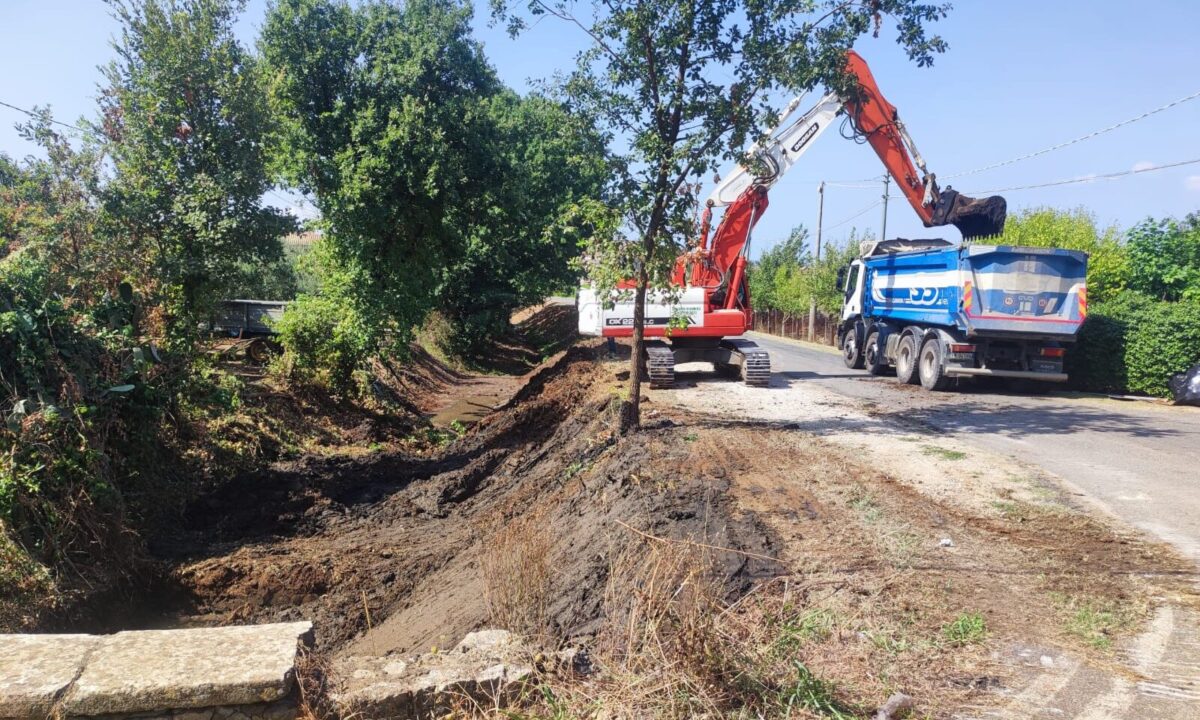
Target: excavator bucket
[975,218]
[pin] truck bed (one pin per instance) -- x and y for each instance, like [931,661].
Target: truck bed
[995,290]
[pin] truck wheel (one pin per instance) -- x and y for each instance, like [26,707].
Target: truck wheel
[851,352]
[873,358]
[931,366]
[906,361]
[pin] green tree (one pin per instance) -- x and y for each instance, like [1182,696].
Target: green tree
[1164,258]
[685,85]
[798,286]
[1108,260]
[183,116]
[791,252]
[547,159]
[387,126]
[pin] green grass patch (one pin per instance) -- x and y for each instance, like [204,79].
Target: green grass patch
[808,692]
[1095,621]
[943,453]
[796,628]
[966,629]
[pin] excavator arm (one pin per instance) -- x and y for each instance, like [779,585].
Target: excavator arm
[744,191]
[878,120]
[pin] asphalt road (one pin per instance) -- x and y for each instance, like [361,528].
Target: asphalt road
[1140,461]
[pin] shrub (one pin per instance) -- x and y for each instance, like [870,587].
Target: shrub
[325,339]
[1134,344]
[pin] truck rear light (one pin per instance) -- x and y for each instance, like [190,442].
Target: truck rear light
[1053,352]
[960,348]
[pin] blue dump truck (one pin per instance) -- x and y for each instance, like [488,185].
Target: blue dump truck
[938,312]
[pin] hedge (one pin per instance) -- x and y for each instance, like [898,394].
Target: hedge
[1134,344]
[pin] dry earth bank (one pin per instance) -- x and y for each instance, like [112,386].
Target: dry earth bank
[716,562]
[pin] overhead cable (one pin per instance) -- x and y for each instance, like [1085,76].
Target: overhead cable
[1079,139]
[873,205]
[1088,178]
[33,114]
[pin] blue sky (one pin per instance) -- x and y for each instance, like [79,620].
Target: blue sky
[1020,75]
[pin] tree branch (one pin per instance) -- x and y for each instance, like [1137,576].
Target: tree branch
[563,15]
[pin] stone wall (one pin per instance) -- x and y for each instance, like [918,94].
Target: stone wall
[235,673]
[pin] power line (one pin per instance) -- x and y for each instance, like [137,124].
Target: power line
[1089,178]
[872,206]
[32,114]
[1079,139]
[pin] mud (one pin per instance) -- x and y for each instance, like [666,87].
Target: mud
[383,552]
[395,553]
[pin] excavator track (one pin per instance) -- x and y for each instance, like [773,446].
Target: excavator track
[660,364]
[756,362]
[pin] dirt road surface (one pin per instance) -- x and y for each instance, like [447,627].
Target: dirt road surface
[991,452]
[1140,461]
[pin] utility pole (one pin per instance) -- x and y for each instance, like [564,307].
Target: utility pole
[886,179]
[812,302]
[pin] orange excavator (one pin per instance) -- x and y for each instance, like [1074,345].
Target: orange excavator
[712,306]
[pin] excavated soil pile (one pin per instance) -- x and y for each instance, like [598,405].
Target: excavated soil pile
[388,552]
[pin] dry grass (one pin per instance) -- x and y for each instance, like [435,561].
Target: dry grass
[517,577]
[673,647]
[313,686]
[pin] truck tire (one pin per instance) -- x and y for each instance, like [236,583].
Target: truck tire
[873,359]
[931,365]
[906,361]
[851,352]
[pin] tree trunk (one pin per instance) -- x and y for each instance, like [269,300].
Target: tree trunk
[631,409]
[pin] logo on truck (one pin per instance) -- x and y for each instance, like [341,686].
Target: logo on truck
[923,296]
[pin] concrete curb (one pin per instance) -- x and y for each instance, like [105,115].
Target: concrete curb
[248,670]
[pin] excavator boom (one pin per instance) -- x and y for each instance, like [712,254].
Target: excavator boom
[878,120]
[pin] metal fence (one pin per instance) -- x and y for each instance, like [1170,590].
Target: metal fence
[776,322]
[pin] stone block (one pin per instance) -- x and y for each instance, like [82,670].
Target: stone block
[151,670]
[36,669]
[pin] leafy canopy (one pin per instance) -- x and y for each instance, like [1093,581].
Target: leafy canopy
[791,252]
[435,183]
[184,124]
[1164,258]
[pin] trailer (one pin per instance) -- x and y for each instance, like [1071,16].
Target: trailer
[937,312]
[247,328]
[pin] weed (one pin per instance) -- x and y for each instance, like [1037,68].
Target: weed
[458,428]
[516,577]
[691,437]
[1095,621]
[889,641]
[966,629]
[575,468]
[943,453]
[809,692]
